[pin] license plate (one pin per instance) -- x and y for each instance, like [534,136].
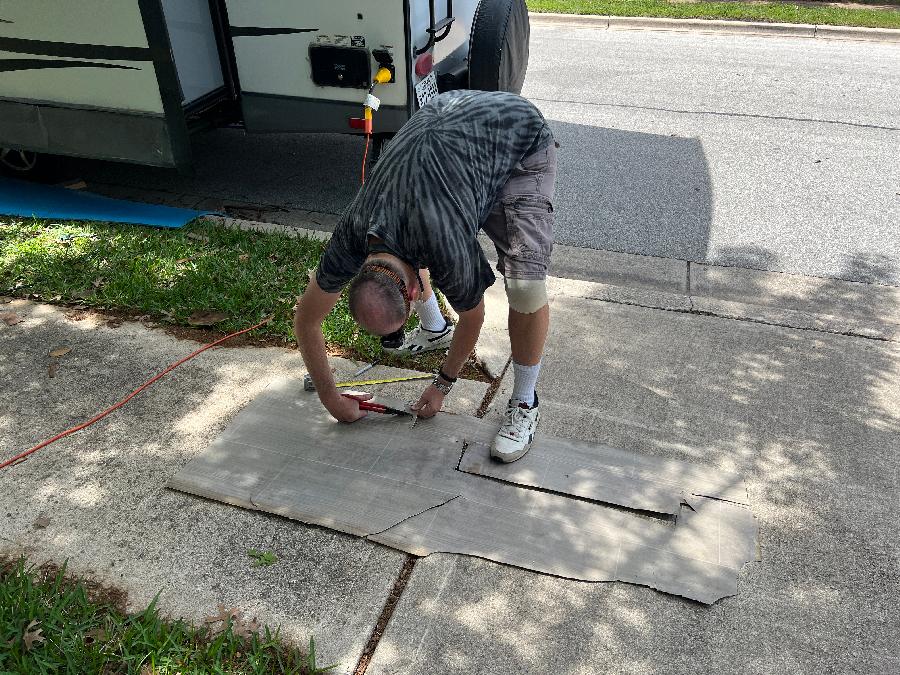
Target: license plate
[426,89]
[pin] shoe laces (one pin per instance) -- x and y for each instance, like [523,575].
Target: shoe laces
[516,422]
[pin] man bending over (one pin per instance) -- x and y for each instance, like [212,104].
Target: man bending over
[466,161]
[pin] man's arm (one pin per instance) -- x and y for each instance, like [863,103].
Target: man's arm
[312,309]
[468,328]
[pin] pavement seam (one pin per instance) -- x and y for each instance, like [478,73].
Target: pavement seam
[390,604]
[396,591]
[720,26]
[703,312]
[687,274]
[716,113]
[492,391]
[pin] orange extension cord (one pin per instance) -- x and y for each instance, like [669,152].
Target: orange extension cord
[365,154]
[125,400]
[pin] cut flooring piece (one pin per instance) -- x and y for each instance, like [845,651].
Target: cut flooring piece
[399,486]
[607,475]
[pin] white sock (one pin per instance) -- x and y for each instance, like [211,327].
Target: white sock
[525,377]
[430,314]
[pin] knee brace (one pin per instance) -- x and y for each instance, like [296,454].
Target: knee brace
[526,296]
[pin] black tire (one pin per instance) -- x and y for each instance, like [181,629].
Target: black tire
[24,164]
[498,46]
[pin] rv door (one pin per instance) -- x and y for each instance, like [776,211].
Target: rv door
[101,78]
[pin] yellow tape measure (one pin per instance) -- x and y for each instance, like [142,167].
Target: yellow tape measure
[364,383]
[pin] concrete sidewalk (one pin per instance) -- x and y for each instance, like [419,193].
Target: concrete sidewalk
[809,415]
[811,418]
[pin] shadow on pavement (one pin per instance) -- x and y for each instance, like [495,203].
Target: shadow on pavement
[811,419]
[654,193]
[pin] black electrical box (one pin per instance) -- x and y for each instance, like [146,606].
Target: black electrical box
[334,66]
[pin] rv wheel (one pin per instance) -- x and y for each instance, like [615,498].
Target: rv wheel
[20,163]
[498,46]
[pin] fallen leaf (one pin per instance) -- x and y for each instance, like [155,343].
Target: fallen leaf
[224,616]
[181,261]
[95,635]
[244,257]
[246,628]
[98,282]
[206,317]
[115,323]
[60,351]
[198,237]
[32,636]
[52,367]
[10,318]
[75,185]
[5,300]
[41,522]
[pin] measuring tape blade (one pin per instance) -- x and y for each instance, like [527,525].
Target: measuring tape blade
[364,383]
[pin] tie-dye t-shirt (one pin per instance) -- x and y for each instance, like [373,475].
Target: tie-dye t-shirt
[433,187]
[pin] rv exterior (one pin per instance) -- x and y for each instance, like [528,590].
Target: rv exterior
[131,80]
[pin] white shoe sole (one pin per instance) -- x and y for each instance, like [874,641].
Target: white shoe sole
[507,457]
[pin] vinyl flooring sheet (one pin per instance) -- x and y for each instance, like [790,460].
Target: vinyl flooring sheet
[572,510]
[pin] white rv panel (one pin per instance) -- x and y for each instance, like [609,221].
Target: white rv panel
[98,22]
[194,47]
[279,64]
[131,88]
[95,82]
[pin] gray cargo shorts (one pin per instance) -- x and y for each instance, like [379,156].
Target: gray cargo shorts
[520,223]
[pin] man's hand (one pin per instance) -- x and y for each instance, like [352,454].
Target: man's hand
[429,402]
[345,408]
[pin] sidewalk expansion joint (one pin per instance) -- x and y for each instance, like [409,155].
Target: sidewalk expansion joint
[386,613]
[492,391]
[744,319]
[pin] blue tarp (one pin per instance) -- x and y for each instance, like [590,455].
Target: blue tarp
[33,200]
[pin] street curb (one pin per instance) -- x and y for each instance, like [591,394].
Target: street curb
[803,30]
[779,299]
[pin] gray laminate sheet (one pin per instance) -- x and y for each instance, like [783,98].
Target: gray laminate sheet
[415,490]
[607,475]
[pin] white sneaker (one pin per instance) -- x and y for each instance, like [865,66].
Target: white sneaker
[421,340]
[517,432]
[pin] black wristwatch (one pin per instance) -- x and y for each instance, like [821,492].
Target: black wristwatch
[443,383]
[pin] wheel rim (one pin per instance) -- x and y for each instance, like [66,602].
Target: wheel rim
[18,160]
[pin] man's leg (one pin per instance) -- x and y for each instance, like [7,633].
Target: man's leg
[435,331]
[427,308]
[521,227]
[527,334]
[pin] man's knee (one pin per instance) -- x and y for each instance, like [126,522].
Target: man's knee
[526,296]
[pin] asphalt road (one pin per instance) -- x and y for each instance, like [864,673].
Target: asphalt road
[765,152]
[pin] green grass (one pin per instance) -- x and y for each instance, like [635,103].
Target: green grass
[170,274]
[85,635]
[779,12]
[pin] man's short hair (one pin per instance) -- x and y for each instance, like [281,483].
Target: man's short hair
[378,289]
